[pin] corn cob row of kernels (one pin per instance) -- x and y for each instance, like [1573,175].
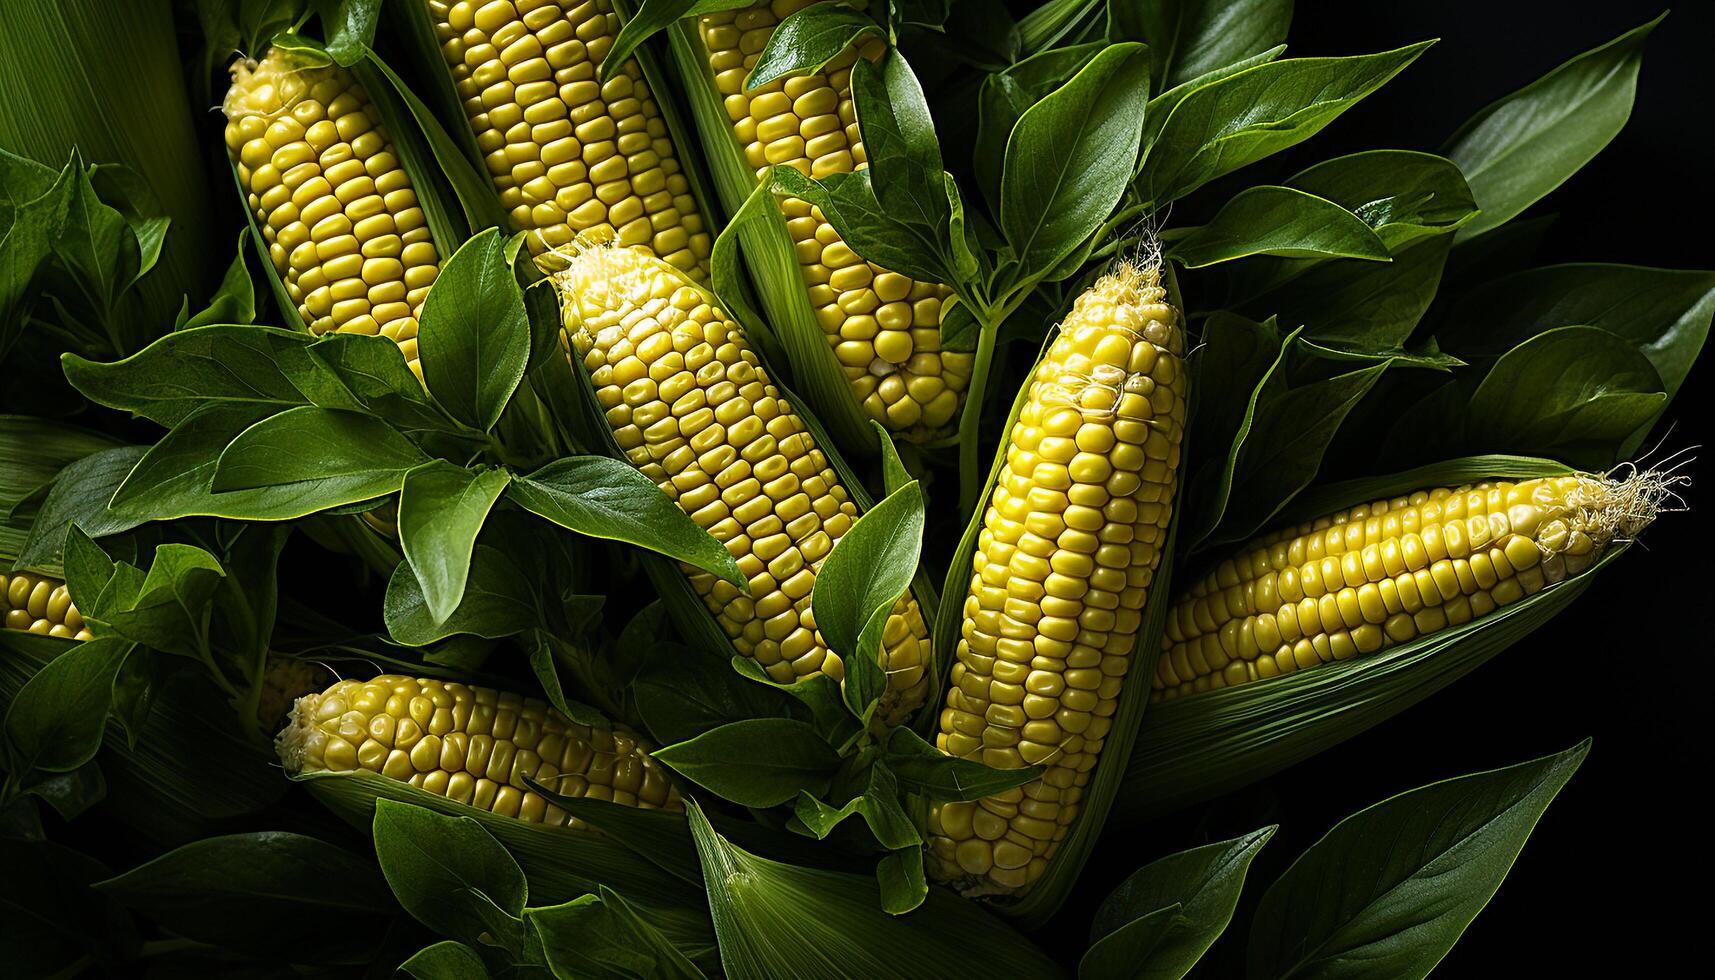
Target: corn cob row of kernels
[884,327]
[569,155]
[472,745]
[692,407]
[342,222]
[39,604]
[1063,566]
[1387,572]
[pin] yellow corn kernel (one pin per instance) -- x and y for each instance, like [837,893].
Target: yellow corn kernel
[884,327]
[313,129]
[1102,422]
[1411,566]
[33,603]
[733,453]
[473,745]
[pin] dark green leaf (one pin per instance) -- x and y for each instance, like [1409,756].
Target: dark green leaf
[1526,144]
[1245,117]
[1005,95]
[899,875]
[1239,357]
[687,693]
[850,205]
[893,472]
[445,960]
[807,39]
[313,459]
[1189,38]
[928,772]
[651,17]
[96,246]
[878,805]
[1390,889]
[185,370]
[1201,884]
[234,301]
[80,496]
[498,601]
[756,762]
[1402,194]
[263,893]
[870,567]
[88,570]
[442,508]
[349,27]
[1070,157]
[1279,221]
[601,937]
[899,139]
[169,611]
[606,498]
[474,336]
[54,723]
[1365,305]
[450,874]
[173,477]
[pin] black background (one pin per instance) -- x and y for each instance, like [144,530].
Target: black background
[1610,884]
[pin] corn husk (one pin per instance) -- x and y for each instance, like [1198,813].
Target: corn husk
[34,450]
[1196,748]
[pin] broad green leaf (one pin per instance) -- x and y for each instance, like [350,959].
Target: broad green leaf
[87,572]
[1526,144]
[35,212]
[757,762]
[1198,888]
[234,301]
[1391,888]
[262,893]
[474,337]
[1245,117]
[1188,38]
[1402,194]
[877,804]
[899,875]
[849,203]
[604,937]
[96,246]
[190,368]
[687,693]
[1238,358]
[349,27]
[497,601]
[783,920]
[54,724]
[1161,106]
[807,39]
[445,960]
[1664,312]
[1267,220]
[1573,393]
[870,567]
[169,611]
[1070,157]
[923,769]
[80,496]
[174,476]
[650,18]
[899,137]
[450,874]
[1006,94]
[1363,305]
[442,508]
[315,459]
[606,498]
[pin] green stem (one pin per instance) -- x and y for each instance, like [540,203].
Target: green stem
[970,470]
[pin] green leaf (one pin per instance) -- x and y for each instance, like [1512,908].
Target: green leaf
[88,570]
[649,19]
[234,301]
[870,567]
[314,459]
[169,611]
[497,601]
[262,893]
[1402,194]
[188,369]
[782,920]
[609,499]
[1242,118]
[474,336]
[80,496]
[899,875]
[894,475]
[604,937]
[878,805]
[173,477]
[96,246]
[445,960]
[849,203]
[1189,38]
[1664,312]
[807,39]
[757,762]
[450,874]
[1526,144]
[923,769]
[1070,156]
[348,27]
[1366,305]
[1574,393]
[35,213]
[1129,937]
[54,724]
[442,508]
[1005,95]
[898,136]
[1391,888]
[1282,221]
[687,693]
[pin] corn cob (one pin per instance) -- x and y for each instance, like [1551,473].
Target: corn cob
[338,212]
[38,604]
[570,156]
[472,745]
[1062,569]
[692,407]
[1390,571]
[884,327]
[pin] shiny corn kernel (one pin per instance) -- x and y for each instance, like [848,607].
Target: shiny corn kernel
[481,747]
[33,603]
[1059,607]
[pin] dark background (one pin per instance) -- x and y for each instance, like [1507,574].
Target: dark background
[1609,884]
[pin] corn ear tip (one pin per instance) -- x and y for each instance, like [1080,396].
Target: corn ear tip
[290,744]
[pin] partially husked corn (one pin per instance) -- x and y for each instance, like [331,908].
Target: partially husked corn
[1387,572]
[570,155]
[884,327]
[342,222]
[472,745]
[1063,566]
[38,604]
[693,408]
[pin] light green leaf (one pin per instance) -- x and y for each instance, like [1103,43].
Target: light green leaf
[442,508]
